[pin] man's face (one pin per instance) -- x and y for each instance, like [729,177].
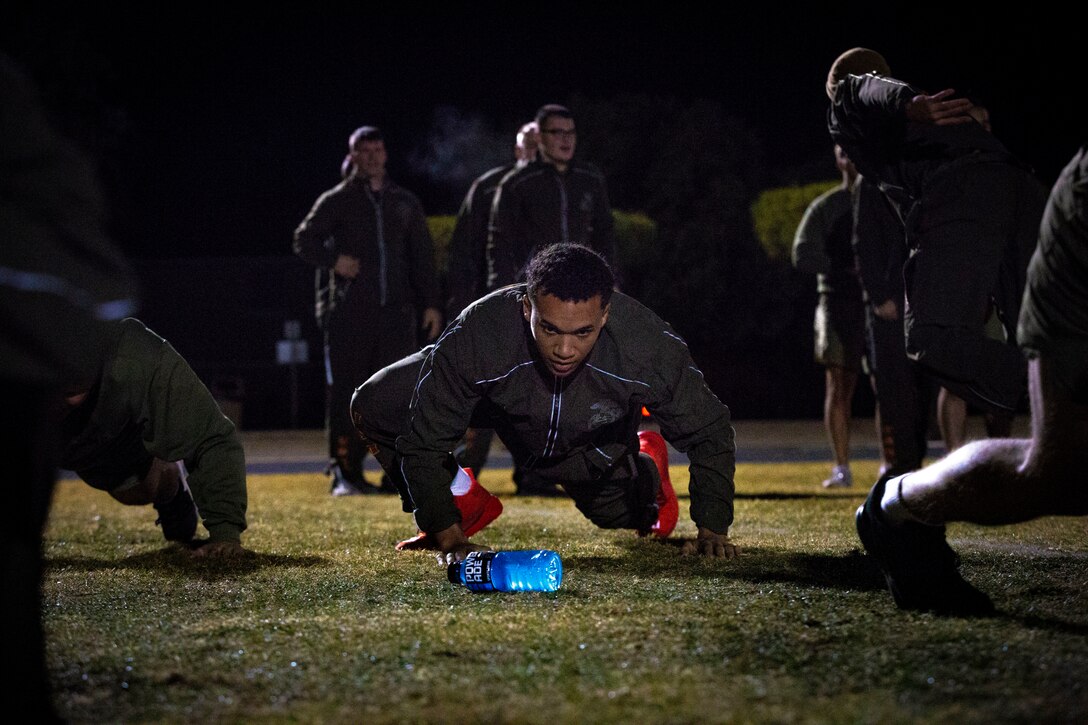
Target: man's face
[564,332]
[557,139]
[369,157]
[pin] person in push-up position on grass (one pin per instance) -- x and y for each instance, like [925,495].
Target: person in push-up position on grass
[146,430]
[561,367]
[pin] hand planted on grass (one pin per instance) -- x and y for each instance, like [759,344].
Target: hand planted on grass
[217,550]
[454,546]
[709,543]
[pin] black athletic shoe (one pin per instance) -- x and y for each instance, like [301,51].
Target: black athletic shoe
[178,516]
[921,569]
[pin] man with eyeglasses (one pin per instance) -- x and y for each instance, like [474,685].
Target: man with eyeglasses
[553,199]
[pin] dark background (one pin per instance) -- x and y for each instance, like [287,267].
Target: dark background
[215,128]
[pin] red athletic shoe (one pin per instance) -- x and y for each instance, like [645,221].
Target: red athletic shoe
[478,507]
[668,508]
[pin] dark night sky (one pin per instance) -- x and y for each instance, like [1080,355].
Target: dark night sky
[217,130]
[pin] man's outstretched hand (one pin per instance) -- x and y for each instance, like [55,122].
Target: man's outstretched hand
[711,544]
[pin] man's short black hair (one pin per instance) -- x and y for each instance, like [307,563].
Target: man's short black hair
[365,133]
[549,110]
[570,272]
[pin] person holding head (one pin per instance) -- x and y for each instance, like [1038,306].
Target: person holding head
[146,430]
[560,366]
[371,237]
[1003,481]
[971,214]
[555,198]
[822,246]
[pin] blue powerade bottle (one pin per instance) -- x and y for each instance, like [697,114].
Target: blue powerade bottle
[538,570]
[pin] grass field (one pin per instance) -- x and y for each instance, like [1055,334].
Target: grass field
[325,622]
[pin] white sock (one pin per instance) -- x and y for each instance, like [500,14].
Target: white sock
[461,483]
[894,509]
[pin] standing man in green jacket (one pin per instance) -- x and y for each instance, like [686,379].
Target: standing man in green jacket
[561,367]
[147,431]
[371,235]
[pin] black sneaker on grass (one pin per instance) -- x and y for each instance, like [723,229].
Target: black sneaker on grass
[921,569]
[178,516]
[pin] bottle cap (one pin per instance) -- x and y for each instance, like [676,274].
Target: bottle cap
[453,572]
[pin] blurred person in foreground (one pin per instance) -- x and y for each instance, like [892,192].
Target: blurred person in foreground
[62,280]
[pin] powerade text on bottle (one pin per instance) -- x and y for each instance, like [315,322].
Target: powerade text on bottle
[537,570]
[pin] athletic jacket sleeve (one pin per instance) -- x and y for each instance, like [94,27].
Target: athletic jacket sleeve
[697,423]
[313,236]
[182,422]
[438,416]
[421,248]
[879,243]
[503,236]
[809,247]
[467,249]
[603,240]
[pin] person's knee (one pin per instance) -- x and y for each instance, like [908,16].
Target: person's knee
[158,485]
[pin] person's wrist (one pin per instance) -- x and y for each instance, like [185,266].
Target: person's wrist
[449,537]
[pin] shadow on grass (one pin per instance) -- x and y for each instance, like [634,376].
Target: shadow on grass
[851,571]
[176,559]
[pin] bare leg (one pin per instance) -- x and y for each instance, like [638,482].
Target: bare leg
[952,419]
[886,459]
[1004,481]
[837,399]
